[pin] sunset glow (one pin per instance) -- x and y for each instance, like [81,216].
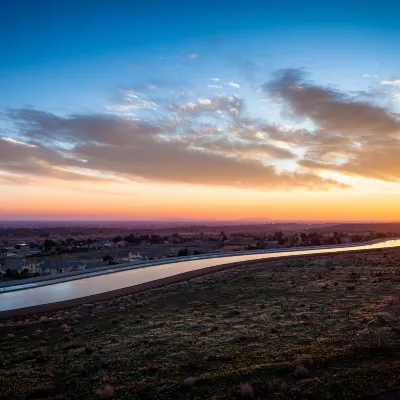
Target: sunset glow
[241,113]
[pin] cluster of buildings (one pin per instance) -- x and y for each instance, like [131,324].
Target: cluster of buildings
[29,260]
[31,267]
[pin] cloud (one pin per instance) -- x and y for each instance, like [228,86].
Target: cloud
[253,149]
[368,76]
[395,82]
[18,159]
[217,105]
[329,109]
[381,164]
[351,137]
[188,56]
[112,147]
[194,139]
[233,84]
[132,100]
[16,142]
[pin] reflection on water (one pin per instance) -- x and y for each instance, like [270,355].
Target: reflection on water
[118,280]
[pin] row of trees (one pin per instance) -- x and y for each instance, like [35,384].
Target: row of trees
[132,239]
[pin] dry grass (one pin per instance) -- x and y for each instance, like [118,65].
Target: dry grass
[317,328]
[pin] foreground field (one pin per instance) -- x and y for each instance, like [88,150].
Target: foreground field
[311,328]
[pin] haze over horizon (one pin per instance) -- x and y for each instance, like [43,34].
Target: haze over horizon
[205,110]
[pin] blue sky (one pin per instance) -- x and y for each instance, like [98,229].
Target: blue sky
[66,55]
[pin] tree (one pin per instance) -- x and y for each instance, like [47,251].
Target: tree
[183,252]
[117,239]
[25,273]
[278,236]
[48,244]
[12,273]
[130,238]
[154,239]
[108,257]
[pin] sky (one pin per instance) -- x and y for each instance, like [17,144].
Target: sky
[281,110]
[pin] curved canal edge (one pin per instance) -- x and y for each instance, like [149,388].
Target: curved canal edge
[36,282]
[158,283]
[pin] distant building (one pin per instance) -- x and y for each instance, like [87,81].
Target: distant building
[232,248]
[189,235]
[122,243]
[22,264]
[273,245]
[101,244]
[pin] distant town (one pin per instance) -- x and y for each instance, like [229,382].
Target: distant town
[27,252]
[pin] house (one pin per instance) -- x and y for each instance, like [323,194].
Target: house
[188,235]
[234,239]
[101,244]
[273,245]
[76,265]
[22,264]
[70,266]
[122,243]
[62,267]
[232,248]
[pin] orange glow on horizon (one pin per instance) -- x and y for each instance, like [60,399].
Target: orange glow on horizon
[184,201]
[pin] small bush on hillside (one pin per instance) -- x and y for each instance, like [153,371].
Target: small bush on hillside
[301,372]
[246,391]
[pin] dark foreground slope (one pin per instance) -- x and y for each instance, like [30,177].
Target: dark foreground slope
[320,328]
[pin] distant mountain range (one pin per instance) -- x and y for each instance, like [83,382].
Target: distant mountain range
[188,224]
[363,227]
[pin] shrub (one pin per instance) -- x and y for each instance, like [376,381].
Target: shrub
[301,372]
[305,361]
[106,393]
[246,391]
[370,339]
[190,381]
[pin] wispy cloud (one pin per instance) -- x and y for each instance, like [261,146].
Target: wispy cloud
[233,84]
[188,56]
[368,76]
[113,147]
[211,140]
[395,82]
[17,142]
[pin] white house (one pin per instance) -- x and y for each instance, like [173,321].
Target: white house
[122,243]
